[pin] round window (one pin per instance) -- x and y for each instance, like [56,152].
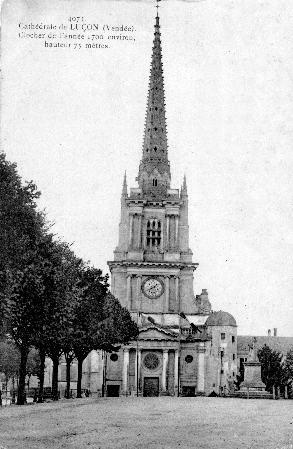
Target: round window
[188,359]
[151,361]
[114,357]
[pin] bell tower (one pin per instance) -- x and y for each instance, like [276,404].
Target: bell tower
[152,270]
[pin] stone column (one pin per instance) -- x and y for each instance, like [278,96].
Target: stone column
[176,232]
[139,232]
[167,231]
[137,369]
[201,368]
[176,376]
[177,293]
[164,371]
[125,371]
[138,293]
[162,237]
[167,293]
[128,293]
[130,228]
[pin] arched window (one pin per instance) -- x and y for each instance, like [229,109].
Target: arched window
[153,233]
[155,182]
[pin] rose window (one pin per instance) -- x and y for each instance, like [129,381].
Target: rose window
[188,359]
[151,361]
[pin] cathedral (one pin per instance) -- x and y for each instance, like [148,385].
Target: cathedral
[183,348]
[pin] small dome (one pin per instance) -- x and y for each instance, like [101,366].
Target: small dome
[221,318]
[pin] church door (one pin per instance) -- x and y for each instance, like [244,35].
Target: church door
[151,386]
[113,390]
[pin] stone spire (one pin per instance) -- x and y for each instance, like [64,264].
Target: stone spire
[154,170]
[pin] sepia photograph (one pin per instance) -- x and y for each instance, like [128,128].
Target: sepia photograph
[146,224]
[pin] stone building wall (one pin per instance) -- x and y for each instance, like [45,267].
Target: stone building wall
[222,357]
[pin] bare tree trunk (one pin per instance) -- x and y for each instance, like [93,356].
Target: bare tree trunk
[55,360]
[13,386]
[42,374]
[21,399]
[68,364]
[79,375]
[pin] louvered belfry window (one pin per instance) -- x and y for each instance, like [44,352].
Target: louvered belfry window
[153,233]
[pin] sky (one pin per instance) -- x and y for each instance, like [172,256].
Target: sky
[73,121]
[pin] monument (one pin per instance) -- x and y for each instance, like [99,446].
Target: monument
[253,386]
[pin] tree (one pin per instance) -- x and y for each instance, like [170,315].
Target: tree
[61,294]
[101,323]
[21,228]
[87,315]
[33,364]
[9,360]
[117,326]
[289,366]
[50,254]
[22,310]
[272,368]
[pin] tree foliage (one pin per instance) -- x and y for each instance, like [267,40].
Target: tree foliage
[100,320]
[21,225]
[117,327]
[289,366]
[88,312]
[273,370]
[20,222]
[49,298]
[33,363]
[9,360]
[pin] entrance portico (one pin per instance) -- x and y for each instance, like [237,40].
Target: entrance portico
[159,363]
[150,361]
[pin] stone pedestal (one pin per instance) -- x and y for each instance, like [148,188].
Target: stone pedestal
[253,386]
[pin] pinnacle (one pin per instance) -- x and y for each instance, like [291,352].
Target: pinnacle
[184,186]
[124,188]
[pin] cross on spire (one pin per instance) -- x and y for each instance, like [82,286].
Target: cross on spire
[157,6]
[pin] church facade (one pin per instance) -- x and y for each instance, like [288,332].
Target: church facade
[183,348]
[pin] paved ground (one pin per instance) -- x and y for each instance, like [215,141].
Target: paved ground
[210,423]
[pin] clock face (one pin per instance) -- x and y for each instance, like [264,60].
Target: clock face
[152,288]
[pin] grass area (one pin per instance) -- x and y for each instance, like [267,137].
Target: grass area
[210,423]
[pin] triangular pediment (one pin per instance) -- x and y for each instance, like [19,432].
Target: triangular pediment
[156,333]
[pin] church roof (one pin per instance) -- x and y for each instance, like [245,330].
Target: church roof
[172,319]
[221,318]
